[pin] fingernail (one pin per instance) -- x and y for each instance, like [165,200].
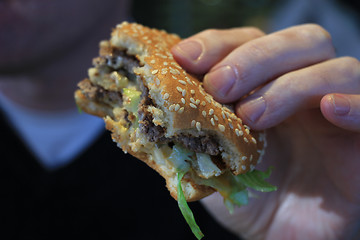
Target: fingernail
[220,81]
[189,49]
[341,105]
[253,109]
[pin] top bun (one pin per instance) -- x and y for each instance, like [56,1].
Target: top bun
[174,105]
[189,109]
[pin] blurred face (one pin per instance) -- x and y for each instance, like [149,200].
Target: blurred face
[34,31]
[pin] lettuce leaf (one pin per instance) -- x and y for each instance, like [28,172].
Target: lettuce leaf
[185,209]
[256,180]
[234,189]
[180,158]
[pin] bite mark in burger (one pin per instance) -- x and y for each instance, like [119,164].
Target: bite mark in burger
[162,115]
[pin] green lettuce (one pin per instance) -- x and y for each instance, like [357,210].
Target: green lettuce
[256,180]
[234,189]
[185,209]
[180,157]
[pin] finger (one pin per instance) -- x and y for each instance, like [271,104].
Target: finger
[342,110]
[300,89]
[265,58]
[200,52]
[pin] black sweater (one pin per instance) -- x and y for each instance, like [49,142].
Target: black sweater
[103,194]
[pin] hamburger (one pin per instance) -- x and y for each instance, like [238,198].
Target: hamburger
[161,114]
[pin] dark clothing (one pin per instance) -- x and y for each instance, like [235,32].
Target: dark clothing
[104,194]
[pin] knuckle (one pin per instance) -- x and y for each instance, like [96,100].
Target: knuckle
[209,33]
[316,28]
[352,67]
[316,33]
[254,32]
[257,52]
[351,61]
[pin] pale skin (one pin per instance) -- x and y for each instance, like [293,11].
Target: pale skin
[313,143]
[308,101]
[47,47]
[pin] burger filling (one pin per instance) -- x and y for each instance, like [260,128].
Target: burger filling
[114,85]
[126,101]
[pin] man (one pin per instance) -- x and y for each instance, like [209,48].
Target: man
[61,175]
[48,49]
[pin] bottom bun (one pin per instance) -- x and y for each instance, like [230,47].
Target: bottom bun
[191,190]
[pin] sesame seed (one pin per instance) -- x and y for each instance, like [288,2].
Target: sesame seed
[181,110]
[179,89]
[193,105]
[253,140]
[155,71]
[182,82]
[216,118]
[192,100]
[237,132]
[243,167]
[208,98]
[192,91]
[212,121]
[152,61]
[157,81]
[193,122]
[198,126]
[221,127]
[165,63]
[204,113]
[176,65]
[183,100]
[160,55]
[246,140]
[231,126]
[194,83]
[174,71]
[172,107]
[174,77]
[211,111]
[247,131]
[197,102]
[177,107]
[166,96]
[164,71]
[183,93]
[243,158]
[203,103]
[251,157]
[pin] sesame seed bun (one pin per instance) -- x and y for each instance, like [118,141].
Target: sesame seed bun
[180,107]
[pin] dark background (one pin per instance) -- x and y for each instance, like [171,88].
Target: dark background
[105,194]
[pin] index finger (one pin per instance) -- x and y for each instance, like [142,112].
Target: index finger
[199,53]
[261,60]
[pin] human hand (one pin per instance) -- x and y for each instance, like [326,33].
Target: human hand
[309,103]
